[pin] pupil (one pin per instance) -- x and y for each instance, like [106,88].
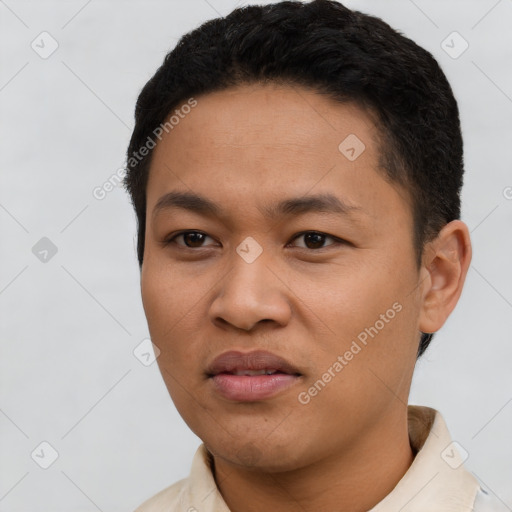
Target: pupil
[193,237]
[315,239]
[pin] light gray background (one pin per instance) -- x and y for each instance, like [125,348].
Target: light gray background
[69,326]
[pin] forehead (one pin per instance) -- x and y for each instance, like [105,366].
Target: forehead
[248,119]
[258,142]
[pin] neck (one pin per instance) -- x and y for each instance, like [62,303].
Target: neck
[353,479]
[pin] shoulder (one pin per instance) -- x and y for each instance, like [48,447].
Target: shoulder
[166,499]
[485,502]
[182,495]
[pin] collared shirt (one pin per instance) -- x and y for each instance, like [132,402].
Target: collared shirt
[436,481]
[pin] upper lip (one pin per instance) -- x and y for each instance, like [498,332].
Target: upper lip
[233,361]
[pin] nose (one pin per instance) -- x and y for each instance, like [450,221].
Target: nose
[251,293]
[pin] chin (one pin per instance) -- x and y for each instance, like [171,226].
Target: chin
[259,455]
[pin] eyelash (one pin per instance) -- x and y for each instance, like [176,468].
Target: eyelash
[337,241]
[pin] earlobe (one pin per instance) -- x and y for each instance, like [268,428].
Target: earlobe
[445,265]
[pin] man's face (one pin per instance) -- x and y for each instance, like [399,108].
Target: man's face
[340,305]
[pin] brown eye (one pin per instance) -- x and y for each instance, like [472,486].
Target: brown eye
[314,239]
[191,239]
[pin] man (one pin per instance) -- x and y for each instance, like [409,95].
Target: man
[296,171]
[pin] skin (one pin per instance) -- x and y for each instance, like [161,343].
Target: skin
[245,148]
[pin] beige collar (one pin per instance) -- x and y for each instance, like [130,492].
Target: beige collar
[436,480]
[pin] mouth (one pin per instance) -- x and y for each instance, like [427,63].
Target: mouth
[252,376]
[252,373]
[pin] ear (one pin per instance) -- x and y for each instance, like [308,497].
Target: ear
[445,264]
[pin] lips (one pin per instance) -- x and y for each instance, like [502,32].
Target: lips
[257,362]
[253,376]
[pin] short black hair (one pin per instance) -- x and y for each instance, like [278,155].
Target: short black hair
[344,54]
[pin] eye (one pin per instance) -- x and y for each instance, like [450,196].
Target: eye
[194,239]
[191,239]
[315,239]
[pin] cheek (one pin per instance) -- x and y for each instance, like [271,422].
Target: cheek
[171,312]
[377,357]
[371,316]
[354,297]
[170,302]
[157,292]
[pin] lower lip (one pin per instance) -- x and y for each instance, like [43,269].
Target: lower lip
[249,388]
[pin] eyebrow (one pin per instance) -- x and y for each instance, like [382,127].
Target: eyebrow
[327,203]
